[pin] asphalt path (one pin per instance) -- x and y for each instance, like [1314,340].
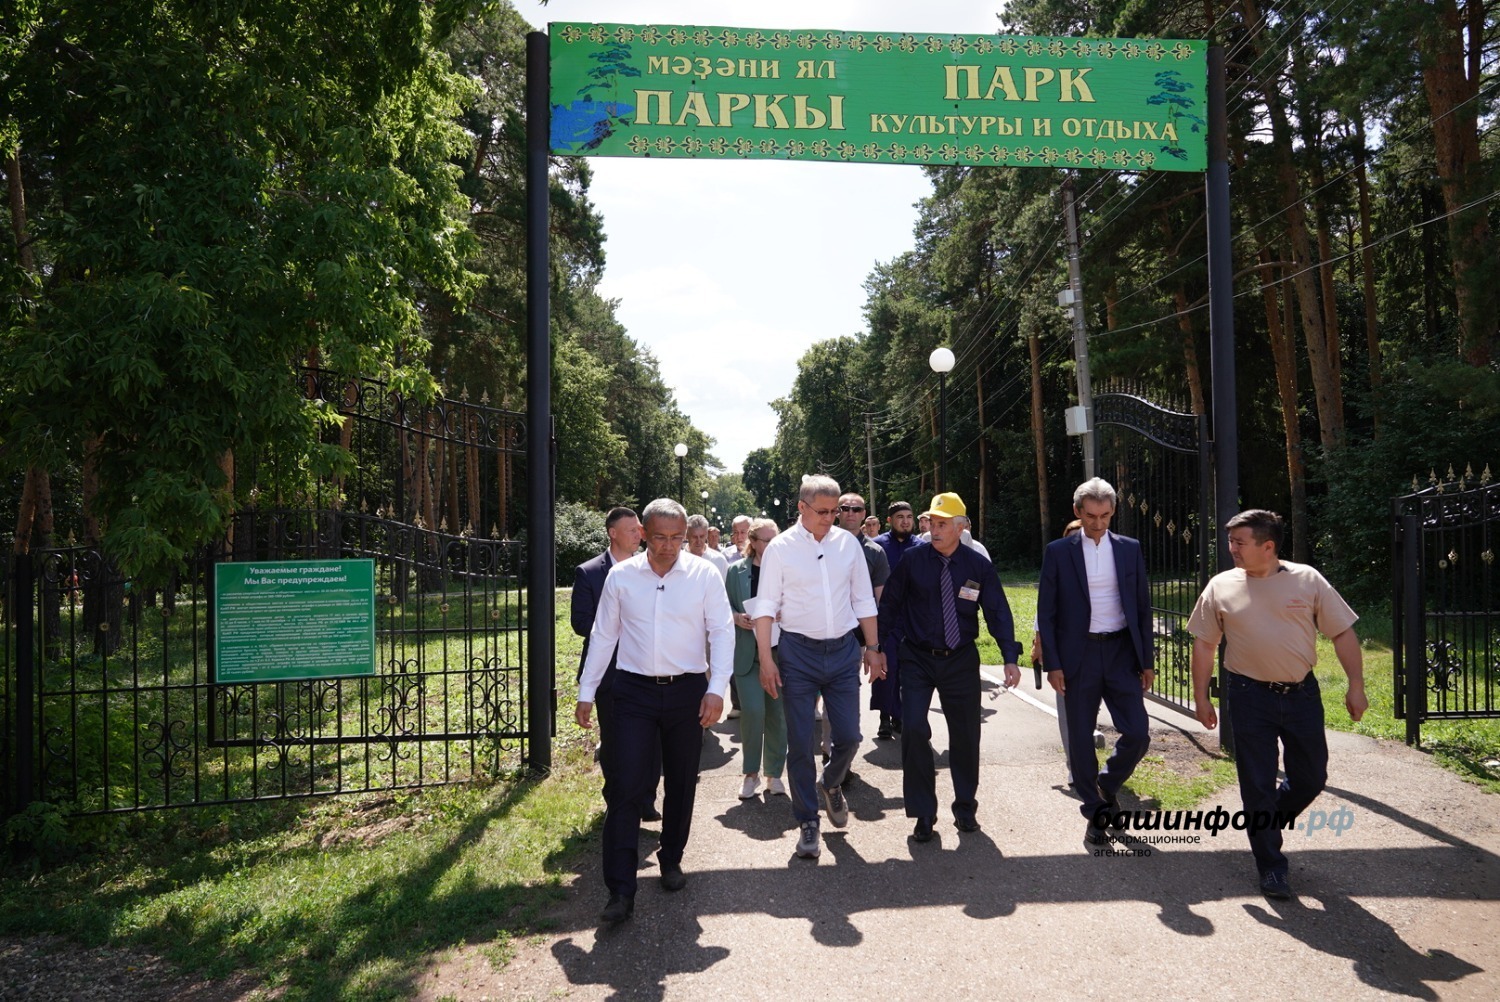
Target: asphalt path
[1402,900]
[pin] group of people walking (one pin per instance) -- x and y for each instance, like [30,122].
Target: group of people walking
[791,619]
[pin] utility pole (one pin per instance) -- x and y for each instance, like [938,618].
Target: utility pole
[869,466]
[1081,422]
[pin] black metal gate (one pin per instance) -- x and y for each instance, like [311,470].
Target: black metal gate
[1446,625]
[1160,463]
[110,703]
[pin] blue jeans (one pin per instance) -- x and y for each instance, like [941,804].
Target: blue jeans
[809,668]
[1260,719]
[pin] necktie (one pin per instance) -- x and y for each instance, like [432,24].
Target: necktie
[950,609]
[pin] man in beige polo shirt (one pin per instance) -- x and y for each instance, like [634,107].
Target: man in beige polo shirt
[1270,611]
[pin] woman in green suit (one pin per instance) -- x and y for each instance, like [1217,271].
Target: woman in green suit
[762,719]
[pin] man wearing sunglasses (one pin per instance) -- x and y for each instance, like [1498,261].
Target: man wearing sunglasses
[817,581]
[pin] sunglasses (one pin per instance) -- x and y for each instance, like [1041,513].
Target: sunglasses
[851,507]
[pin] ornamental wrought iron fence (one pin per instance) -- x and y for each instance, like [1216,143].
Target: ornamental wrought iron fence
[110,701]
[1160,463]
[1444,541]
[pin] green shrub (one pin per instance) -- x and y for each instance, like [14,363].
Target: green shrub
[580,535]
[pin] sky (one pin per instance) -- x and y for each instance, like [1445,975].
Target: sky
[729,271]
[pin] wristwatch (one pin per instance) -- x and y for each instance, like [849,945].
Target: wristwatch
[873,647]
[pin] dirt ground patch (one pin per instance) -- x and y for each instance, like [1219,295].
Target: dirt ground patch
[49,969]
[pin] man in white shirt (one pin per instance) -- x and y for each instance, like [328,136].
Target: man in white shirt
[655,611]
[817,582]
[697,538]
[739,536]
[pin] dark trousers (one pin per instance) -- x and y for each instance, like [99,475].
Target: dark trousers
[955,679]
[1262,718]
[885,693]
[1107,674]
[604,712]
[652,723]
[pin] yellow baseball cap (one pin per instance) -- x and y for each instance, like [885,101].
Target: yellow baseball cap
[947,505]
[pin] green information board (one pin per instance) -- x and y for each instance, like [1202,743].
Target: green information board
[281,620]
[683,91]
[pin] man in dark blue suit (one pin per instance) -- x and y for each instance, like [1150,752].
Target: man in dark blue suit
[623,527]
[1094,616]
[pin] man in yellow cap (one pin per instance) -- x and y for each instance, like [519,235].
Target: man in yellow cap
[933,601]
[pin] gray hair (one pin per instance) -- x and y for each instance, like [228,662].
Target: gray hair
[1097,489]
[817,485]
[663,508]
[741,518]
[696,522]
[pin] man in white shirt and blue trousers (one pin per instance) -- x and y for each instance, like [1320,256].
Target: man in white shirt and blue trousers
[817,581]
[658,608]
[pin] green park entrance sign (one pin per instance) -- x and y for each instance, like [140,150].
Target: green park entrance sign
[281,620]
[980,100]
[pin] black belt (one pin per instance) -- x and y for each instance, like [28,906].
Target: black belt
[1111,635]
[939,652]
[662,679]
[1281,687]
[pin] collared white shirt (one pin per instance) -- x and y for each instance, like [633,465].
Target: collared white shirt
[716,558]
[731,553]
[660,624]
[1106,613]
[821,589]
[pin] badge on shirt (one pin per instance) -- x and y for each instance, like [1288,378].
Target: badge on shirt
[970,591]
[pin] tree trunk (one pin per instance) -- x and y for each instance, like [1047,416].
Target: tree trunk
[1038,437]
[1367,267]
[1285,357]
[100,582]
[1451,78]
[983,431]
[1326,389]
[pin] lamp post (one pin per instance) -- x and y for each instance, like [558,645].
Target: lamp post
[776,503]
[680,451]
[704,496]
[941,361]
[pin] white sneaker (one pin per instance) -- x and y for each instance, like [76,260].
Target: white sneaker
[750,787]
[776,786]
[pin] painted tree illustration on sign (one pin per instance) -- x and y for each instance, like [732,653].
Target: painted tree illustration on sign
[1173,94]
[586,122]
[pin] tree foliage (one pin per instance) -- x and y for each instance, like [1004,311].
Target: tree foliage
[1363,185]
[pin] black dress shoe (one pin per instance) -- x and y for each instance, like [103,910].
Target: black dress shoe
[923,831]
[1116,822]
[618,910]
[885,733]
[650,813]
[1094,835]
[966,824]
[672,878]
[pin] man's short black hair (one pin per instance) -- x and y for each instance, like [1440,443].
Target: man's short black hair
[1263,525]
[895,507]
[615,514]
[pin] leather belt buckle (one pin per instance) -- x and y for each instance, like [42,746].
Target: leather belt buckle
[665,679]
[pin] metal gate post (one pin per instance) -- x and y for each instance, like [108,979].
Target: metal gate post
[541,597]
[1414,627]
